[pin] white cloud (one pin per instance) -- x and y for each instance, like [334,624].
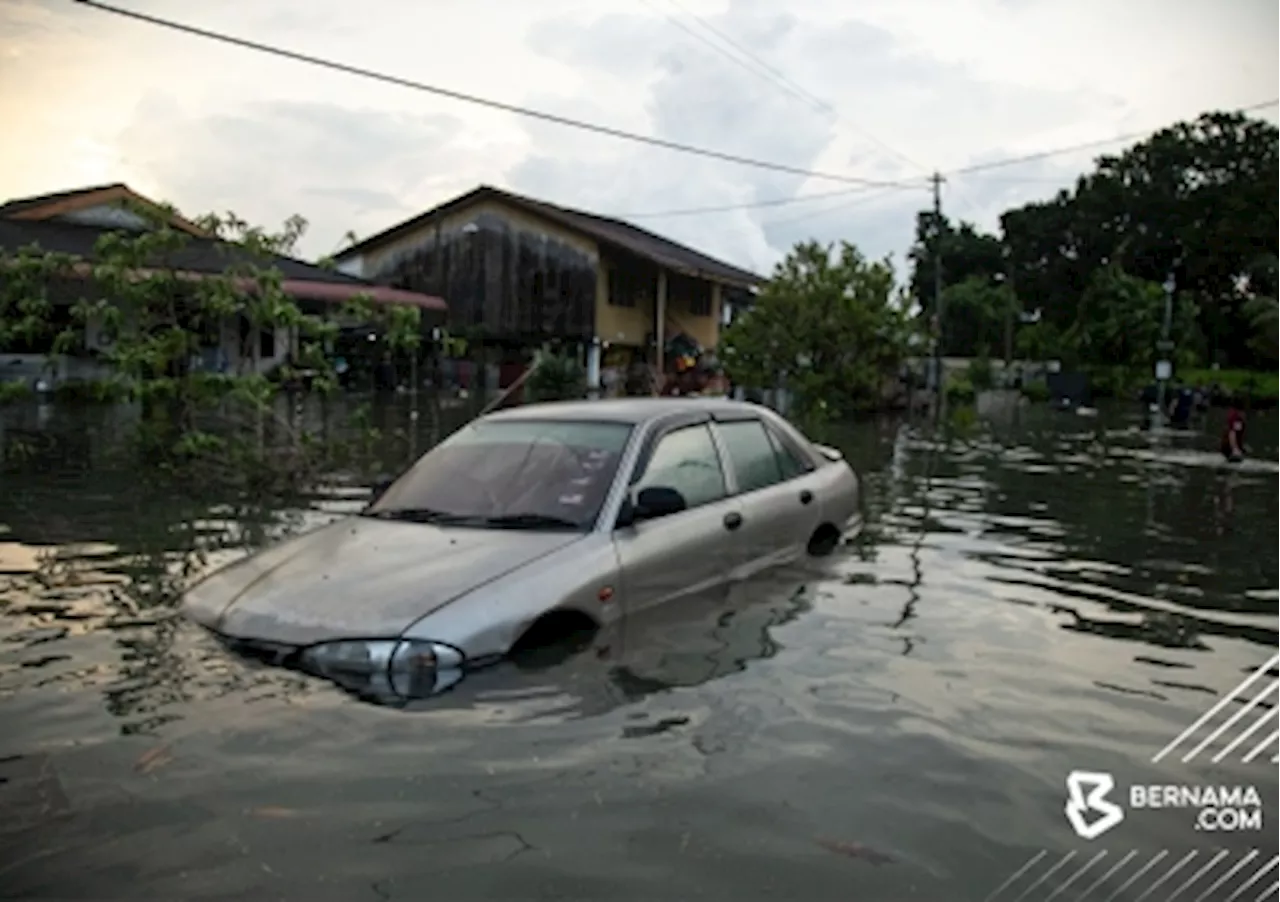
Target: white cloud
[942,82]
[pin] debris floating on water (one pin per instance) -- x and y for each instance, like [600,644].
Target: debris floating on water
[856,850]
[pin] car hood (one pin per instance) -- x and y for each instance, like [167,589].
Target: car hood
[358,578]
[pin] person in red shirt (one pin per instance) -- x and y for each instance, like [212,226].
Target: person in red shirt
[1233,436]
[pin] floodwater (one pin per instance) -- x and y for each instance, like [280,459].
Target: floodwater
[1033,597]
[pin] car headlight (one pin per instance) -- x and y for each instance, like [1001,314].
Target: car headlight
[409,668]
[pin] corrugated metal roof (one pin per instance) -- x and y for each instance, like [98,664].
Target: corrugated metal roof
[208,256]
[613,232]
[18,204]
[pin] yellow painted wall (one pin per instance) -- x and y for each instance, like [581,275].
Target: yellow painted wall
[620,325]
[629,325]
[680,318]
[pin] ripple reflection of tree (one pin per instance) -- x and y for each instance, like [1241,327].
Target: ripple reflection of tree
[742,635]
[156,677]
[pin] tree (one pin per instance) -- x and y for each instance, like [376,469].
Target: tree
[1261,313]
[966,254]
[977,312]
[1120,322]
[827,324]
[1197,199]
[156,318]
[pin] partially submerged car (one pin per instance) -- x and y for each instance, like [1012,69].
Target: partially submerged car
[585,511]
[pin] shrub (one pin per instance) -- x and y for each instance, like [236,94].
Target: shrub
[1036,390]
[960,390]
[556,377]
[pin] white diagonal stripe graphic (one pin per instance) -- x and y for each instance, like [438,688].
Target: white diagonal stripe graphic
[1222,703]
[1275,734]
[1227,876]
[1046,875]
[1204,869]
[1261,872]
[1077,875]
[1270,892]
[1186,860]
[1088,893]
[1142,870]
[1230,721]
[1016,874]
[1246,734]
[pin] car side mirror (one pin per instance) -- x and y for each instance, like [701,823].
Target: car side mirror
[657,501]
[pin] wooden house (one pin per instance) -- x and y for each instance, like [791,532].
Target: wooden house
[71,222]
[520,272]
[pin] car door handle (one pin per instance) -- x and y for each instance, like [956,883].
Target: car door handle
[806,496]
[732,520]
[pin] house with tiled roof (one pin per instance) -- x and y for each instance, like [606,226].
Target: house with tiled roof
[519,272]
[72,222]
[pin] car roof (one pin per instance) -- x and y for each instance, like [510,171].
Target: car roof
[626,410]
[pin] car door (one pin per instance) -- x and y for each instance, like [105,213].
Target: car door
[691,552]
[779,507]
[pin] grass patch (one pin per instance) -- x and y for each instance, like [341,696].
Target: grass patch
[1260,386]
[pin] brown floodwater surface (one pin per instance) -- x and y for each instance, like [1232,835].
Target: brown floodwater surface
[896,722]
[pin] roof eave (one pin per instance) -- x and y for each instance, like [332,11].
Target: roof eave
[486,192]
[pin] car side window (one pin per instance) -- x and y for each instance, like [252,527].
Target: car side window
[751,454]
[787,459]
[686,460]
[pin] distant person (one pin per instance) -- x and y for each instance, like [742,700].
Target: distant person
[1181,408]
[1233,436]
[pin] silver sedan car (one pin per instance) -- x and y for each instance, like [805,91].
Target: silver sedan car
[528,519]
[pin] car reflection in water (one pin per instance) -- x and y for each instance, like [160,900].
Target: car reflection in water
[535,524]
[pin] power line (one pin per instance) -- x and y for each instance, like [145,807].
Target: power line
[968,170]
[786,83]
[774,76]
[752,205]
[868,194]
[778,82]
[1088,145]
[479,101]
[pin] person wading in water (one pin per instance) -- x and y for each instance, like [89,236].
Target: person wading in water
[1233,436]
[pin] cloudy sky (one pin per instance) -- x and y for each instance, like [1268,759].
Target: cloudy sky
[883,90]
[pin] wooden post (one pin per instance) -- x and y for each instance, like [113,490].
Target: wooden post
[660,321]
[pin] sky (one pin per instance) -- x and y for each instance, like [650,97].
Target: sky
[882,90]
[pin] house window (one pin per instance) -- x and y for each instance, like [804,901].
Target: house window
[700,299]
[266,343]
[622,291]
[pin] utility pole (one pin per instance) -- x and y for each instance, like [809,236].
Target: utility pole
[937,296]
[1164,364]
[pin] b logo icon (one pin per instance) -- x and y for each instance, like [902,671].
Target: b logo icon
[1087,791]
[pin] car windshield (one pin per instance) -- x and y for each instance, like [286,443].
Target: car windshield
[513,474]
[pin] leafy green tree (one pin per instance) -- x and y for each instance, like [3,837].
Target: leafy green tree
[976,314]
[966,254]
[828,325]
[1120,322]
[156,318]
[1197,199]
[1262,316]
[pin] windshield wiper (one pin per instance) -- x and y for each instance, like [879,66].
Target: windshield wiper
[531,521]
[418,515]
